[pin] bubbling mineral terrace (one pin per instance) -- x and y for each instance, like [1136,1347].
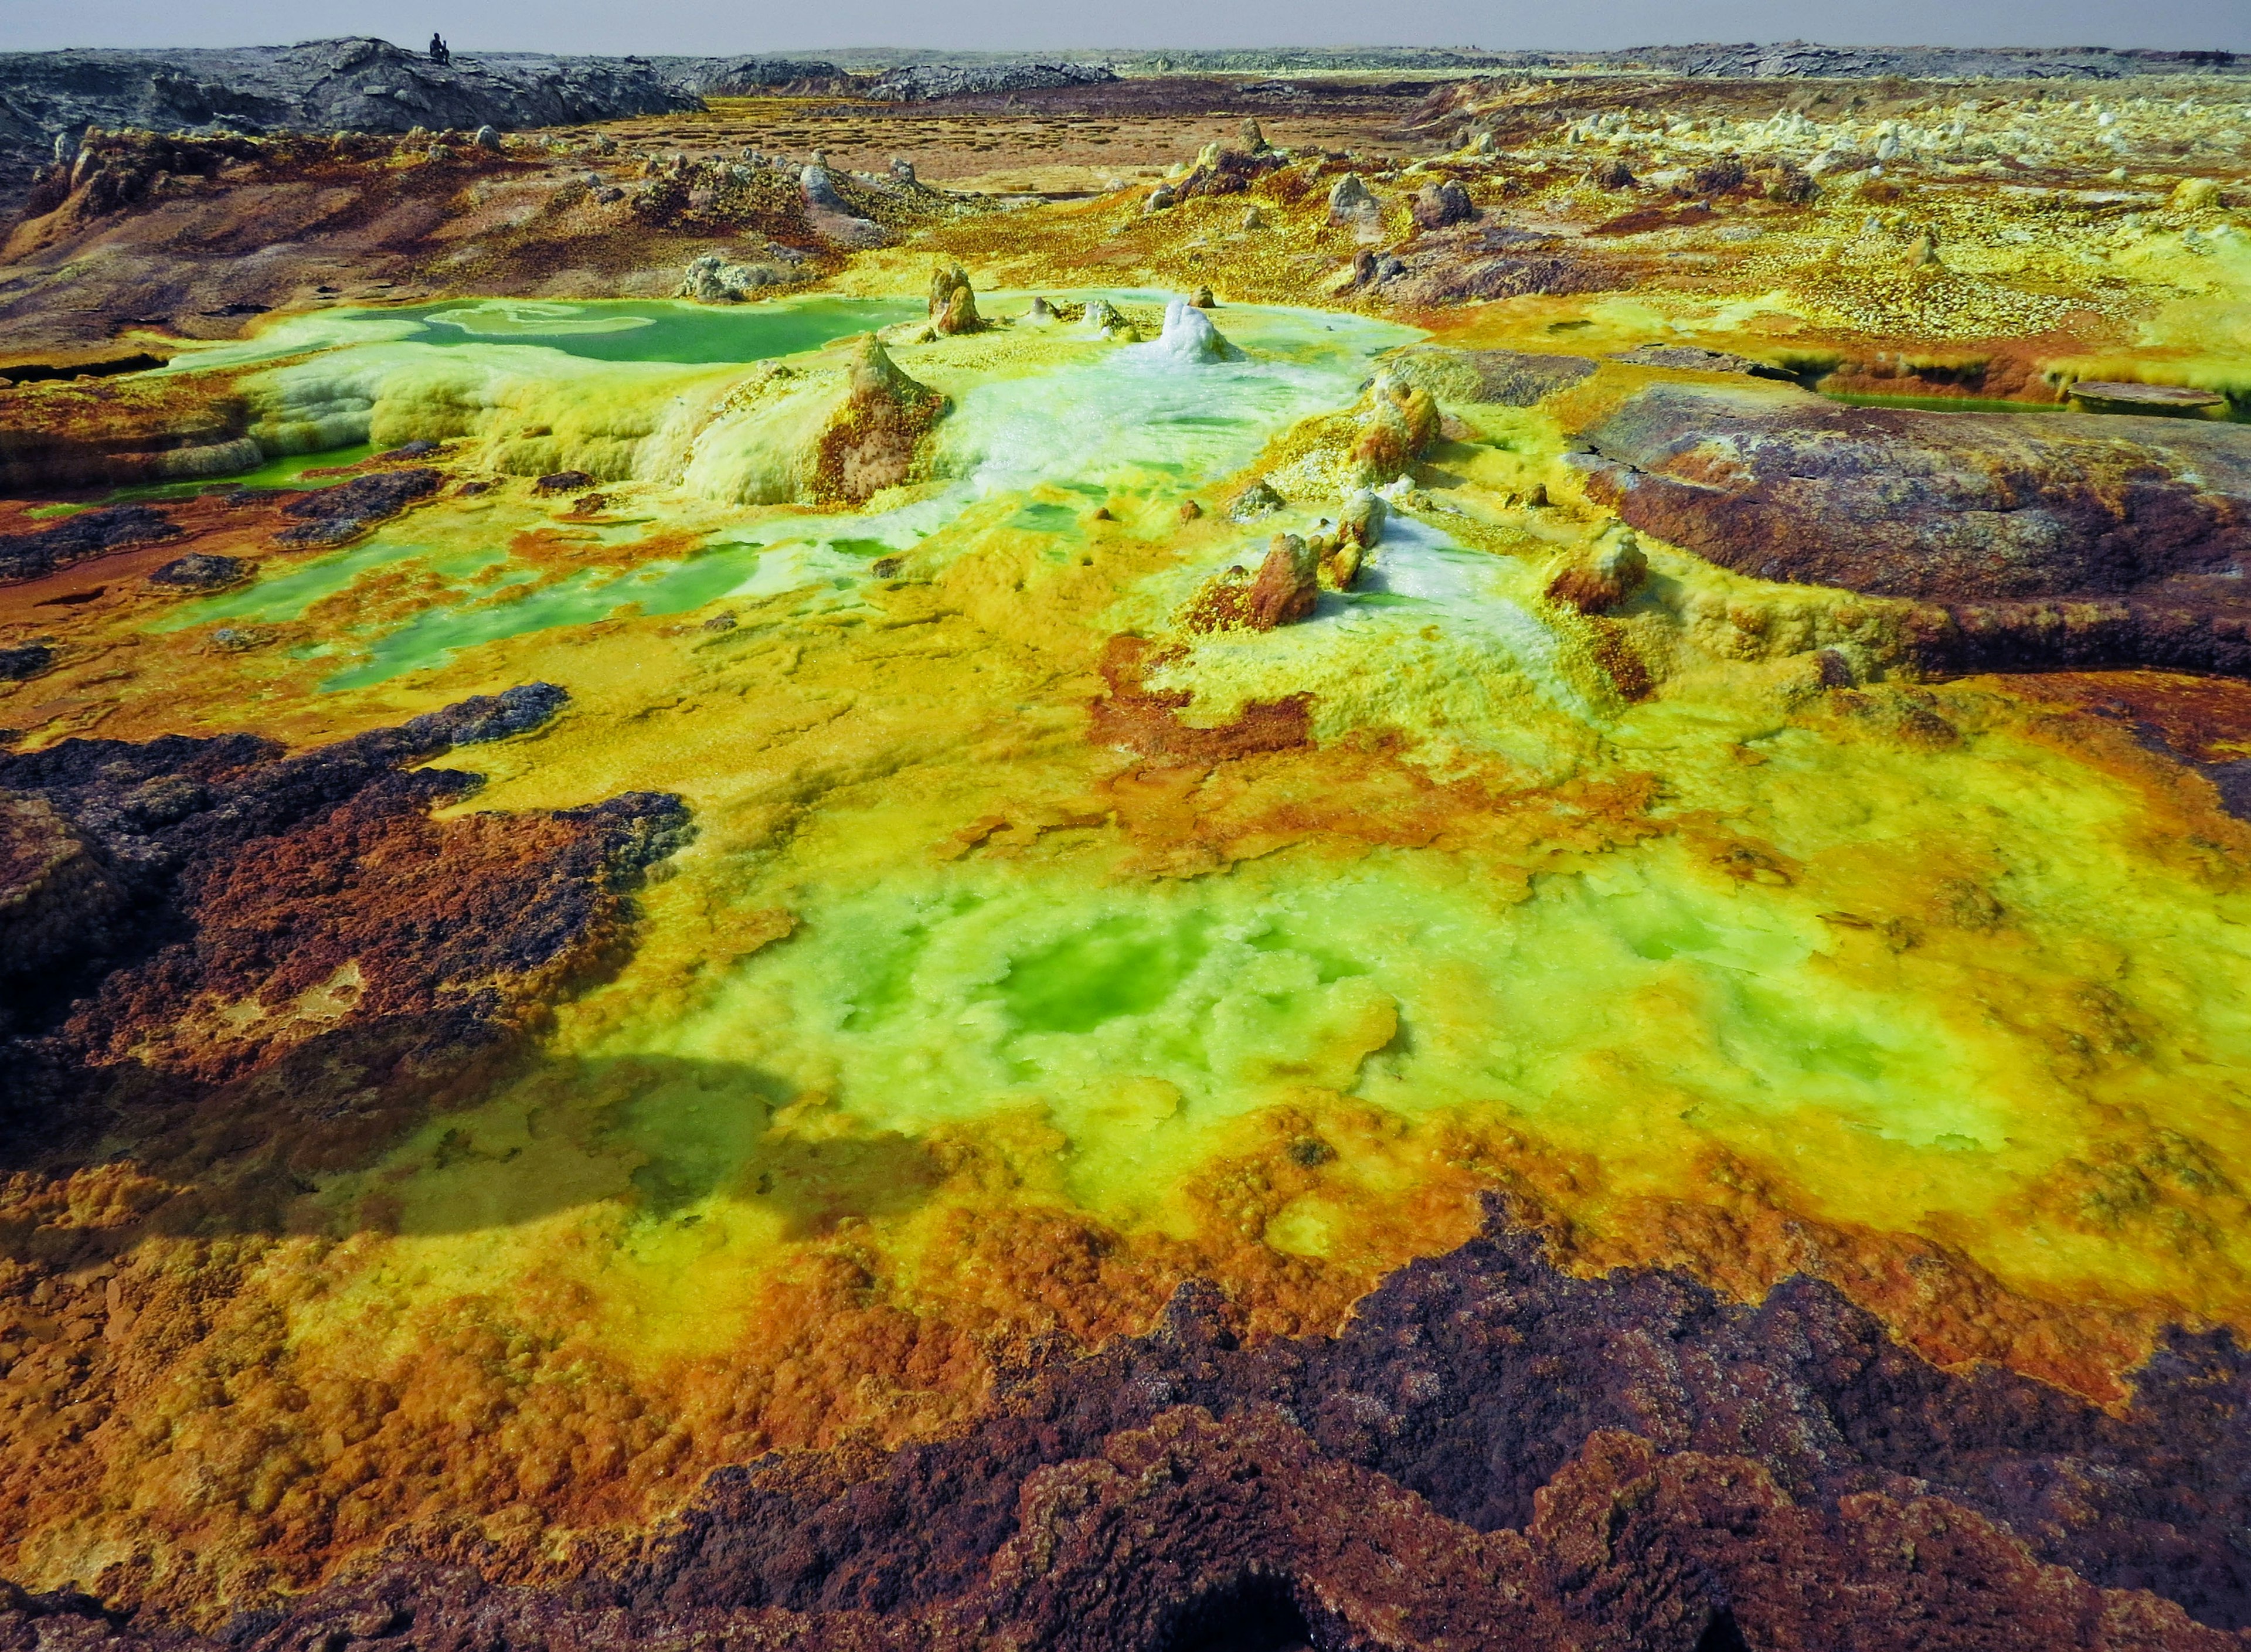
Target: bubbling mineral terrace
[1342,863]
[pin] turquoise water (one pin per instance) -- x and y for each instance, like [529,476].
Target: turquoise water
[1128,417]
[645,329]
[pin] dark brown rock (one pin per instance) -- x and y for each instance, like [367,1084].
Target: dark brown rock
[1491,1453]
[2031,541]
[199,571]
[81,537]
[243,875]
[332,516]
[1440,205]
[21,664]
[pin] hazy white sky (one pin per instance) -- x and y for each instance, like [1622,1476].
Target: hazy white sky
[698,26]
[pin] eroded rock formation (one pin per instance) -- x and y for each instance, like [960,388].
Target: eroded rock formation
[211,928]
[2030,541]
[1490,1453]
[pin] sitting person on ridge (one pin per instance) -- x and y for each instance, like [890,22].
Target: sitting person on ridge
[439,52]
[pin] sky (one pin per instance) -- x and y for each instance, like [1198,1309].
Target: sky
[729,26]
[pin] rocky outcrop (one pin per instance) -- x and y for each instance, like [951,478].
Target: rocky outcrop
[334,516]
[22,663]
[1497,378]
[1282,592]
[81,537]
[714,279]
[1490,1453]
[1401,421]
[742,77]
[953,302]
[2031,540]
[921,82]
[113,433]
[1260,499]
[1105,320]
[1602,575]
[200,571]
[314,894]
[836,219]
[1221,170]
[1477,262]
[1354,206]
[1696,359]
[1442,205]
[356,84]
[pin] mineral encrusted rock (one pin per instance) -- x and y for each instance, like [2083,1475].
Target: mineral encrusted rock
[1487,1453]
[1352,203]
[1360,522]
[871,440]
[77,538]
[215,846]
[713,278]
[1259,499]
[333,515]
[1401,422]
[1602,576]
[1440,205]
[1498,378]
[2024,542]
[200,571]
[952,302]
[1283,591]
[1105,320]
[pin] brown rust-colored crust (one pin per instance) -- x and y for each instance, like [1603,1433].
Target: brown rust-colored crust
[1147,720]
[2026,542]
[871,441]
[1490,1453]
[289,918]
[2203,723]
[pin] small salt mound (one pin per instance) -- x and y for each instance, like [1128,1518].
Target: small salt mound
[1189,338]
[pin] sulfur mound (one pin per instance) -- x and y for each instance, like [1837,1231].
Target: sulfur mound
[1401,422]
[1601,577]
[871,440]
[952,303]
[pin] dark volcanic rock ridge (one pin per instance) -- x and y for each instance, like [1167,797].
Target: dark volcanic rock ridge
[1490,1453]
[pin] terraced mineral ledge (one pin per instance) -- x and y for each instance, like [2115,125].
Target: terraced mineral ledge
[1458,863]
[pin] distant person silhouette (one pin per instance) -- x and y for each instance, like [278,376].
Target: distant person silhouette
[439,52]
